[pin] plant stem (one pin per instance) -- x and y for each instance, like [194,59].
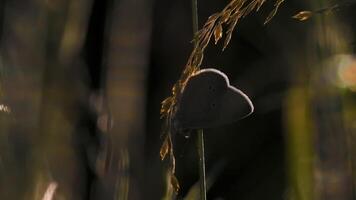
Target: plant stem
[201,164]
[195,16]
[200,145]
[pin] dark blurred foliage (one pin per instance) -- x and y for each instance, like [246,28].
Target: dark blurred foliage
[81,84]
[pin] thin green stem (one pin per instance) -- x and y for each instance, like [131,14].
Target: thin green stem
[201,164]
[195,16]
[200,145]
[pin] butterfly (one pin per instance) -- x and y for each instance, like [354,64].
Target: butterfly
[208,100]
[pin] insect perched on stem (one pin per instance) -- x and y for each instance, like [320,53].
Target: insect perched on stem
[213,27]
[208,100]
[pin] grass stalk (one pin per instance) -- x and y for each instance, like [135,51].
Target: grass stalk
[201,164]
[200,144]
[195,17]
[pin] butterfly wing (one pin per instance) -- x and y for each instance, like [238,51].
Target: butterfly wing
[200,101]
[236,106]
